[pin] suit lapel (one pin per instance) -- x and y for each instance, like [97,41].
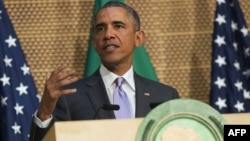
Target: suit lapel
[142,97]
[98,95]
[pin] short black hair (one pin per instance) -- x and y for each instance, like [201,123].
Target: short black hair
[129,9]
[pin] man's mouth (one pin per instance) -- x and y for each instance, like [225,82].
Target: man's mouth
[110,48]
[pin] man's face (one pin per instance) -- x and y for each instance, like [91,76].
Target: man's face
[114,36]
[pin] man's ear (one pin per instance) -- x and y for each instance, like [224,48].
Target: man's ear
[140,38]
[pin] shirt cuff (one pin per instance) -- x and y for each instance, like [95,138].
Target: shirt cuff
[42,124]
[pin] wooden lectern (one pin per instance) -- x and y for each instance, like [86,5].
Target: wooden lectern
[111,129]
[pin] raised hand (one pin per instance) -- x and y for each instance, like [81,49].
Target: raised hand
[54,89]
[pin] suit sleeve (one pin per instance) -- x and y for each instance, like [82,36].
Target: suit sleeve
[37,133]
[61,112]
[175,94]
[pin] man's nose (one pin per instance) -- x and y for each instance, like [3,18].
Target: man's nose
[109,33]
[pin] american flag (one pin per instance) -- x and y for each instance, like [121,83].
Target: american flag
[18,94]
[230,78]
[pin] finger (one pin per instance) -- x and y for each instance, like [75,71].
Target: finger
[56,84]
[47,77]
[62,83]
[57,71]
[67,92]
[67,75]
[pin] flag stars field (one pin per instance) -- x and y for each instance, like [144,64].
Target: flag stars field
[19,109]
[238,85]
[239,106]
[247,52]
[25,69]
[5,80]
[237,65]
[235,45]
[220,19]
[22,89]
[221,61]
[38,96]
[18,94]
[246,94]
[220,82]
[11,41]
[234,26]
[230,45]
[16,128]
[8,61]
[244,31]
[4,101]
[246,73]
[221,103]
[221,1]
[220,40]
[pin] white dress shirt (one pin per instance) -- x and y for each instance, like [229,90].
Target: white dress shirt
[128,86]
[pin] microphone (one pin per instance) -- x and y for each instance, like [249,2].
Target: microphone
[155,104]
[106,107]
[110,107]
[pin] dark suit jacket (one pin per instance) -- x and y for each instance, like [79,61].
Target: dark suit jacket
[91,95]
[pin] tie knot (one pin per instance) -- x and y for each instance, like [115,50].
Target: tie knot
[119,81]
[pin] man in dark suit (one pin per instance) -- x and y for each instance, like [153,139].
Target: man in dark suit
[116,34]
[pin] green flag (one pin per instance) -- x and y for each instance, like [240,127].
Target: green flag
[141,61]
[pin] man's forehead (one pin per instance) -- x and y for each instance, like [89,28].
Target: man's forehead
[112,13]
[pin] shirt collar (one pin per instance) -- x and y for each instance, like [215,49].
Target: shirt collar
[109,77]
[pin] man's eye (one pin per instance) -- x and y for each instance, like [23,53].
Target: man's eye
[118,26]
[99,29]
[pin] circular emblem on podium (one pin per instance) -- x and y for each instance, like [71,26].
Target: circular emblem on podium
[182,120]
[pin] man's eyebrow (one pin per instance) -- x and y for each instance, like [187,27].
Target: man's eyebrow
[118,22]
[99,25]
[103,24]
